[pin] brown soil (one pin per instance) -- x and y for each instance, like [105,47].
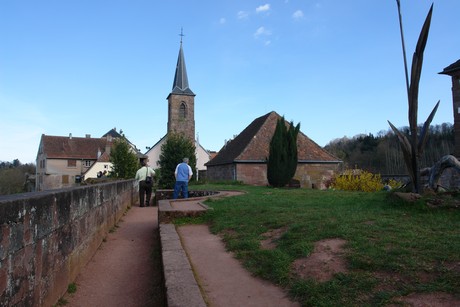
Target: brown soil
[438,299]
[325,261]
[328,259]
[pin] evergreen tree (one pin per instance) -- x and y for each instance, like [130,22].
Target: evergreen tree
[124,160]
[282,160]
[173,151]
[292,149]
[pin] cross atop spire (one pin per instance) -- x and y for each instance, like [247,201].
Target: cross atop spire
[181,35]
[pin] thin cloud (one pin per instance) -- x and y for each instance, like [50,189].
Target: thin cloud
[297,15]
[242,15]
[263,8]
[262,31]
[222,21]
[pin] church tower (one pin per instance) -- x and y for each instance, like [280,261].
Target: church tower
[181,102]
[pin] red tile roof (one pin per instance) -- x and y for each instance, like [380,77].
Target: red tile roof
[61,147]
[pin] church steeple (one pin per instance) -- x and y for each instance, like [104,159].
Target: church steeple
[181,101]
[180,85]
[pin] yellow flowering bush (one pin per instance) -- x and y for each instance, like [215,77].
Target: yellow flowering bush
[358,180]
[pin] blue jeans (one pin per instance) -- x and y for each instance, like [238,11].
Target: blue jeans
[181,185]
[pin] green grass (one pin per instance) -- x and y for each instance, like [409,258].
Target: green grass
[393,248]
[72,288]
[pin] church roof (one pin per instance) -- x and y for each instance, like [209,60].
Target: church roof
[253,145]
[451,68]
[180,85]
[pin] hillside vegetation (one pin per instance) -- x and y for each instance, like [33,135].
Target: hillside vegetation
[382,153]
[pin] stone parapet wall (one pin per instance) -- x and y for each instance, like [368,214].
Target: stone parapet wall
[46,238]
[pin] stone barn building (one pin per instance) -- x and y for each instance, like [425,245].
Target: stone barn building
[244,157]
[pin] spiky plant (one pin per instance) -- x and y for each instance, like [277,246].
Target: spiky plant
[413,148]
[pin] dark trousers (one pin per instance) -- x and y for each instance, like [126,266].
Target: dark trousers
[145,193]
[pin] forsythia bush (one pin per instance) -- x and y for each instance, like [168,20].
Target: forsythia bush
[358,180]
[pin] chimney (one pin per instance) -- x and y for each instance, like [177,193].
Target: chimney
[108,147]
[88,136]
[70,135]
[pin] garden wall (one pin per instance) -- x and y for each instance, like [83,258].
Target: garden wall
[46,238]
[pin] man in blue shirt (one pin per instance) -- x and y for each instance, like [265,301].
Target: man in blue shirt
[183,173]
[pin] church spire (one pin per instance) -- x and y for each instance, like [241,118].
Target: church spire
[180,85]
[181,102]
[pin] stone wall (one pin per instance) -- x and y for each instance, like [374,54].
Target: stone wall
[252,173]
[316,175]
[47,237]
[310,175]
[221,172]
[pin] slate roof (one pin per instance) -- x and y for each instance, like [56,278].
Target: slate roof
[451,68]
[252,145]
[63,147]
[180,85]
[113,133]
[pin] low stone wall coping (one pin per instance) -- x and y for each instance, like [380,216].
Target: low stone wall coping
[180,284]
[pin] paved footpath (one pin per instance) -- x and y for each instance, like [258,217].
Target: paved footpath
[126,269]
[221,276]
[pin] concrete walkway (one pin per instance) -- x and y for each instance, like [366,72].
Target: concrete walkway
[128,269]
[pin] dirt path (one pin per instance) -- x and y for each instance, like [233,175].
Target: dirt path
[126,270]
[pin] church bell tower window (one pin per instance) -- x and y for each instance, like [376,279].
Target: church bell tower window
[183,110]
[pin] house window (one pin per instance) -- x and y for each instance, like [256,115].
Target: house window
[87,163]
[71,163]
[182,110]
[65,179]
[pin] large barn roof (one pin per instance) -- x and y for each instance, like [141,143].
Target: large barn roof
[252,145]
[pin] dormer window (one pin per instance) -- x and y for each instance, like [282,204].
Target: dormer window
[183,110]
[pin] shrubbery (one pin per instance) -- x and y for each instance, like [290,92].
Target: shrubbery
[359,180]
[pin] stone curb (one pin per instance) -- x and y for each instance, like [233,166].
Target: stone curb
[180,285]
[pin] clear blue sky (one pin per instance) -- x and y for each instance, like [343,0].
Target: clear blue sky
[87,66]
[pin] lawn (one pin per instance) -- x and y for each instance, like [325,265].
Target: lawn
[391,248]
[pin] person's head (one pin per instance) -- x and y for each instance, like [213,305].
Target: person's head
[185,160]
[144,163]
